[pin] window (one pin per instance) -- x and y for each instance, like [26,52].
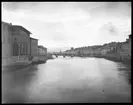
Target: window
[25,49]
[21,49]
[15,49]
[9,39]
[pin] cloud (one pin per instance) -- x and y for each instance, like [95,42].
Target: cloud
[109,29]
[15,6]
[47,12]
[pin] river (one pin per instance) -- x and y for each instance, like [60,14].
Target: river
[68,80]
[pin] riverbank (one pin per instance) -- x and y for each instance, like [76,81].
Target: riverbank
[43,60]
[116,57]
[17,66]
[119,59]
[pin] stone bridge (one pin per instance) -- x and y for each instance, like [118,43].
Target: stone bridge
[66,54]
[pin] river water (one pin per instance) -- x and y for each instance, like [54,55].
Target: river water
[68,80]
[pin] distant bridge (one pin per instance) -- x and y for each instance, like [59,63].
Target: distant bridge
[64,54]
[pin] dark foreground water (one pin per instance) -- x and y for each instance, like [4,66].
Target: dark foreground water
[68,80]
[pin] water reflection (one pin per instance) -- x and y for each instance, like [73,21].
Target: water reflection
[69,80]
[125,71]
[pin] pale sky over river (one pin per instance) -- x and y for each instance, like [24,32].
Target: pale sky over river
[61,25]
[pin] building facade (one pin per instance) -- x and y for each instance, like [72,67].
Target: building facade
[15,44]
[105,49]
[6,40]
[21,41]
[125,48]
[34,46]
[42,50]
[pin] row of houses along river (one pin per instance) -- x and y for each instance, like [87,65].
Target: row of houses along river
[19,48]
[68,80]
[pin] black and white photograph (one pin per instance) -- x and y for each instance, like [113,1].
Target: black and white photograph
[66,52]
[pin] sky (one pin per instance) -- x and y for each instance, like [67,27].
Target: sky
[61,25]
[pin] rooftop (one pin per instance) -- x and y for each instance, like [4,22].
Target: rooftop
[6,23]
[33,38]
[22,28]
[17,26]
[40,46]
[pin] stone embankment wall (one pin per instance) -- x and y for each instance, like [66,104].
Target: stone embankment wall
[17,62]
[7,61]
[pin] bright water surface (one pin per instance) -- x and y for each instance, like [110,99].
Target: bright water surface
[68,80]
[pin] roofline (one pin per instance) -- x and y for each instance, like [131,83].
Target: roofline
[39,45]
[42,46]
[6,23]
[34,38]
[21,27]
